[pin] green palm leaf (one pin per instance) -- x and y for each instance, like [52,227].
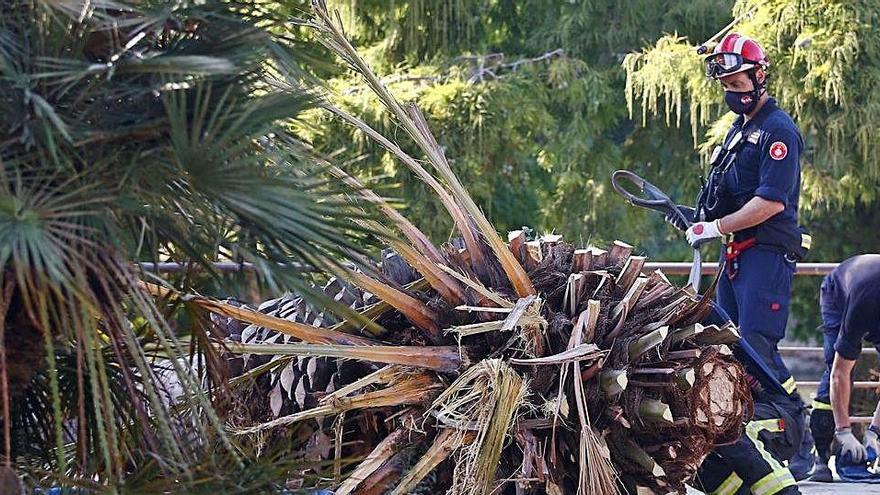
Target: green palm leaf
[144,131]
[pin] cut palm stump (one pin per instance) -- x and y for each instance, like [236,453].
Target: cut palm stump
[526,366]
[657,392]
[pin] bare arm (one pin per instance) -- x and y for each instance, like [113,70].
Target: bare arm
[840,389]
[756,211]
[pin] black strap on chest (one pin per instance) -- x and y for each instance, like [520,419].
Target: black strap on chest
[711,203]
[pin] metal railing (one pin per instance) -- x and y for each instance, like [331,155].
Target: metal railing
[710,268]
[668,267]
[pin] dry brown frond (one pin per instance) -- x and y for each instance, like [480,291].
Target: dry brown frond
[488,395]
[383,452]
[458,216]
[447,441]
[445,359]
[412,120]
[306,333]
[479,288]
[597,474]
[404,390]
[416,311]
[413,233]
[639,375]
[426,264]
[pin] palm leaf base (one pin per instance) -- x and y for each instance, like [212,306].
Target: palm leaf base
[606,381]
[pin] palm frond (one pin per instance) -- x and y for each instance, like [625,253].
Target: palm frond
[144,131]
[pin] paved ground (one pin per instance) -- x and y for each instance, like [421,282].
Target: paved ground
[811,488]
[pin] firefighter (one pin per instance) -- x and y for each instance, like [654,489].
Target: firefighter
[755,463]
[750,202]
[850,305]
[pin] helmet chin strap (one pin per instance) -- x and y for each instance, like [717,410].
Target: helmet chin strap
[759,87]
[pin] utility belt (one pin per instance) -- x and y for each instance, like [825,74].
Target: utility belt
[732,250]
[738,242]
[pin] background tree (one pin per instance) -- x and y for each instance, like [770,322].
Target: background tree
[530,99]
[536,132]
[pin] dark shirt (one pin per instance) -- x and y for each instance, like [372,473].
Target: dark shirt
[850,303]
[768,166]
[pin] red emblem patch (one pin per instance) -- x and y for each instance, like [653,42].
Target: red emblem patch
[698,229]
[778,150]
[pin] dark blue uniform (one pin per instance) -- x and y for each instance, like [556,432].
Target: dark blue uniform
[768,165]
[755,463]
[761,157]
[850,306]
[756,294]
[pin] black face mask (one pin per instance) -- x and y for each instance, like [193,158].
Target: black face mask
[742,102]
[745,102]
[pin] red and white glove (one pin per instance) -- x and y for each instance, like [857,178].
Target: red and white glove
[701,232]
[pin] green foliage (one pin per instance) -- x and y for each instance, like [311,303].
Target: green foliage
[151,131]
[533,132]
[536,144]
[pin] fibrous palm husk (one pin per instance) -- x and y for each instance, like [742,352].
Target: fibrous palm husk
[578,373]
[663,396]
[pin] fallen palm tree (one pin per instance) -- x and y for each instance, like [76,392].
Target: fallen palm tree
[525,366]
[629,388]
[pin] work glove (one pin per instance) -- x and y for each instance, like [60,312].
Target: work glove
[847,444]
[871,440]
[676,221]
[701,232]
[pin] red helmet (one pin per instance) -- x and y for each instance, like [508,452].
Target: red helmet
[735,53]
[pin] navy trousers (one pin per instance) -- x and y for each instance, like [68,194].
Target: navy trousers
[757,299]
[822,418]
[755,464]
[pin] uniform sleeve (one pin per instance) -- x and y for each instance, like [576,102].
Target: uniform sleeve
[780,166]
[859,318]
[848,346]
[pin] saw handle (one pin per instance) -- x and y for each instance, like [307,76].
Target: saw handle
[651,196]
